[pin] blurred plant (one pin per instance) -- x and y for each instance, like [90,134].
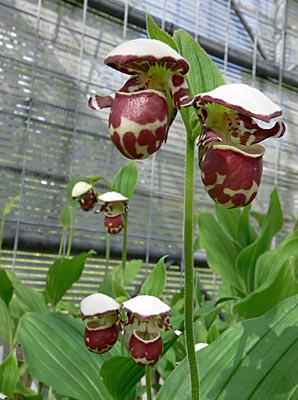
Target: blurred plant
[6,209]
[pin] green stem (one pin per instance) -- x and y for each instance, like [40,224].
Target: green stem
[71,232]
[62,240]
[1,234]
[148,382]
[188,265]
[124,250]
[107,254]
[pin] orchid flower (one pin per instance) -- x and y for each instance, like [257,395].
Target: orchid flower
[235,118]
[114,206]
[103,322]
[144,108]
[85,194]
[147,316]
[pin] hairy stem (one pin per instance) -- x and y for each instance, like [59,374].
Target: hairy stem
[1,234]
[188,268]
[148,382]
[62,241]
[124,250]
[71,232]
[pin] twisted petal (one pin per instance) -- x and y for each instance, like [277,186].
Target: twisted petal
[247,131]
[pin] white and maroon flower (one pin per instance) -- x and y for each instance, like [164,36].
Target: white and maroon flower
[147,316]
[114,206]
[235,118]
[144,108]
[103,322]
[85,194]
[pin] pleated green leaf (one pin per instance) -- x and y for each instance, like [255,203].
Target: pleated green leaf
[155,32]
[6,288]
[63,273]
[6,323]
[204,75]
[9,374]
[54,350]
[26,299]
[156,280]
[222,251]
[282,286]
[126,179]
[255,359]
[127,376]
[246,262]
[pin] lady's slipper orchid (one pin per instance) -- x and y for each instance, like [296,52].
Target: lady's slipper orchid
[103,322]
[114,207]
[235,118]
[85,194]
[147,316]
[144,108]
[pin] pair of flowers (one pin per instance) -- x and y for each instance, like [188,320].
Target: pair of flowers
[234,118]
[114,205]
[146,317]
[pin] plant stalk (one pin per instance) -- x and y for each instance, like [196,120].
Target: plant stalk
[1,234]
[71,232]
[188,267]
[124,250]
[148,382]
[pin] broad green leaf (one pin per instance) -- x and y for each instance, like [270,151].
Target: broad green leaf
[9,374]
[28,299]
[65,217]
[255,359]
[120,375]
[51,395]
[55,353]
[93,179]
[155,32]
[246,234]
[106,286]
[131,270]
[6,323]
[156,280]
[8,207]
[119,290]
[222,252]
[263,299]
[6,288]
[63,273]
[228,220]
[204,75]
[270,262]
[246,262]
[27,393]
[126,179]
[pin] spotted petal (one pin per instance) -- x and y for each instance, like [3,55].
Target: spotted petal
[247,131]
